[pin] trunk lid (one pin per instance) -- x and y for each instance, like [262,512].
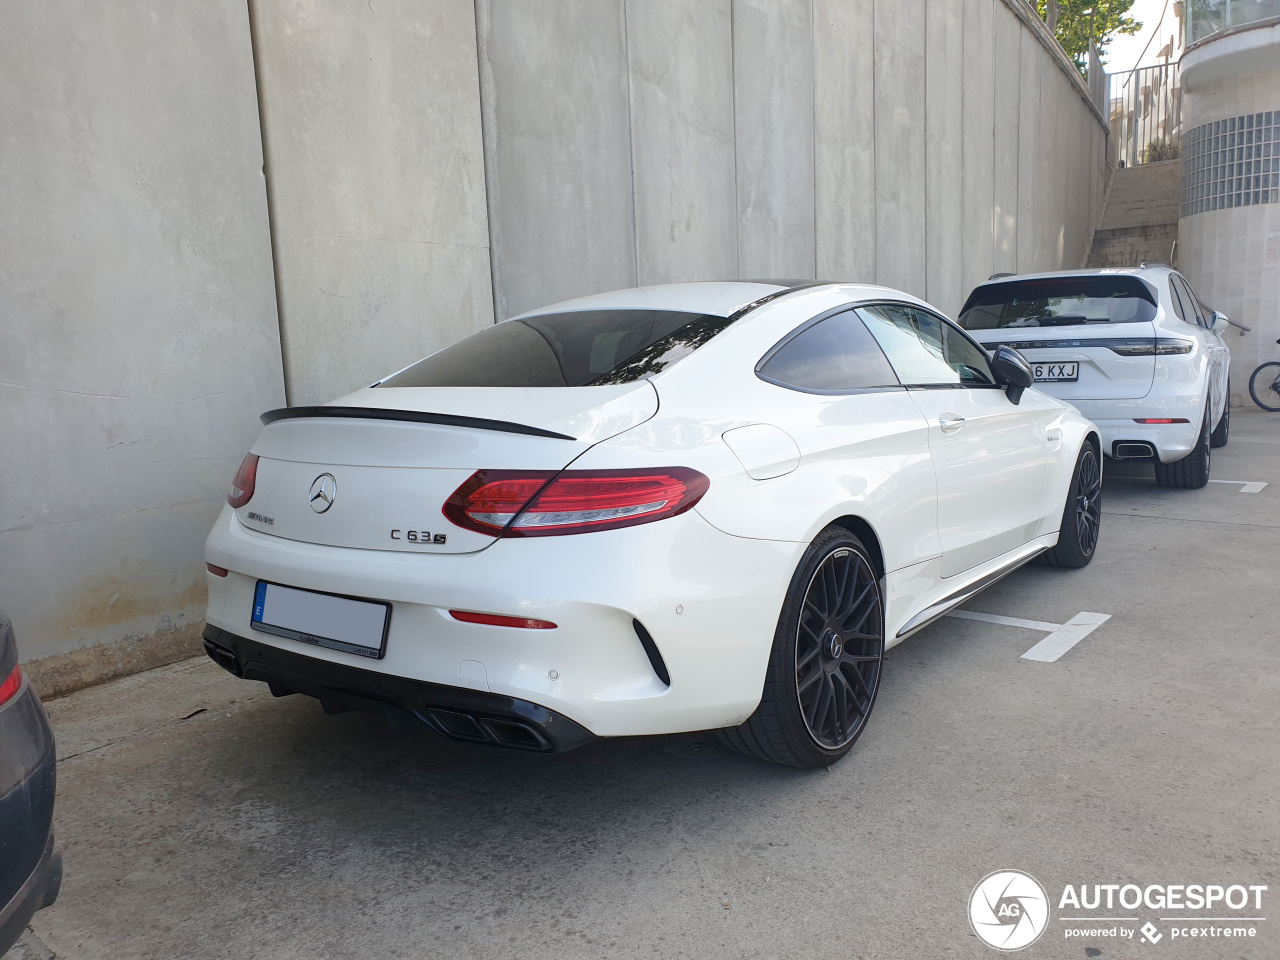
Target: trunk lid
[1115,361]
[393,457]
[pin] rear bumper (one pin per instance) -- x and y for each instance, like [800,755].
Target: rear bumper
[453,711]
[1172,441]
[30,868]
[25,813]
[708,604]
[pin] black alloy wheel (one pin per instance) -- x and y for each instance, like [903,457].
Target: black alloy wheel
[827,659]
[1081,516]
[1088,501]
[839,647]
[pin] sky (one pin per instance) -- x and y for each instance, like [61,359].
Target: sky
[1123,52]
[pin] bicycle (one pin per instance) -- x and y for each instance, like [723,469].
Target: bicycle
[1264,386]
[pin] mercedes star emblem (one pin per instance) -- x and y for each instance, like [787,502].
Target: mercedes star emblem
[324,489]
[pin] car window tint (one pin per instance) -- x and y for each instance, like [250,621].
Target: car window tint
[913,343]
[1191,304]
[572,349]
[835,355]
[1176,296]
[965,357]
[1059,302]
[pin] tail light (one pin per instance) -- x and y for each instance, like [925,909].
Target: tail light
[1142,347]
[542,503]
[242,486]
[9,689]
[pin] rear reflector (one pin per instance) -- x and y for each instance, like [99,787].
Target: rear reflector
[1161,420]
[242,486]
[9,689]
[494,620]
[540,503]
[216,571]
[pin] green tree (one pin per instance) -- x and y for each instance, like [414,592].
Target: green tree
[1077,19]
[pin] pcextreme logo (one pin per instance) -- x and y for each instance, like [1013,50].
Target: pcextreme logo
[1008,910]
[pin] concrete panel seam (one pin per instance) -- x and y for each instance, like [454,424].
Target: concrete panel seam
[733,102]
[484,158]
[250,6]
[631,139]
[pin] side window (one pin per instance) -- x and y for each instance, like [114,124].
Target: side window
[1191,304]
[835,355]
[965,357]
[925,350]
[1176,296]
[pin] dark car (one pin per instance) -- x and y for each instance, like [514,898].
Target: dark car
[30,869]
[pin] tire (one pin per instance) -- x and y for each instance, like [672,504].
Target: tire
[1081,516]
[1222,432]
[1264,386]
[827,657]
[1192,471]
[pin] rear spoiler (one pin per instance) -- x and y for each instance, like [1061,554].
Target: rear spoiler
[409,416]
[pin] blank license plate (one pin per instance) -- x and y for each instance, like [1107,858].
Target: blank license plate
[1056,371]
[322,619]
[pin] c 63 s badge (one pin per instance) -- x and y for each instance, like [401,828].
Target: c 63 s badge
[419,536]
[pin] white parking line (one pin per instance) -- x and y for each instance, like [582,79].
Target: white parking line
[1062,636]
[1246,486]
[1006,621]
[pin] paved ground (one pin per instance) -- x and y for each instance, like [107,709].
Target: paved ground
[202,818]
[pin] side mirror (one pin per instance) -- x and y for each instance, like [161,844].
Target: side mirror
[1218,322]
[1012,371]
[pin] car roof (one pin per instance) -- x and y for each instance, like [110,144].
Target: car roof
[717,298]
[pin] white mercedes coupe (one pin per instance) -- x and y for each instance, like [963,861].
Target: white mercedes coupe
[675,508]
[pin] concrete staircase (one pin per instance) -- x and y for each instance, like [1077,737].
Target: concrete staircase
[1140,219]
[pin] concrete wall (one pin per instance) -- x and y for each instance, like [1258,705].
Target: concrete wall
[371,122]
[138,331]
[922,144]
[1232,256]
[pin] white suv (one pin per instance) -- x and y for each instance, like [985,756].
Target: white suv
[1132,349]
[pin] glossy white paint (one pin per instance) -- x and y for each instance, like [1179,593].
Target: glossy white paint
[1113,391]
[948,512]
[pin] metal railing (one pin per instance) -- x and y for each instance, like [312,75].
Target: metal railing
[1146,118]
[1207,17]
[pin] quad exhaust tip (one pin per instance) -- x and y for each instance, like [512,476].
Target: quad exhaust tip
[504,733]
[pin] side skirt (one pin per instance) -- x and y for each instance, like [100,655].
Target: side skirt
[974,584]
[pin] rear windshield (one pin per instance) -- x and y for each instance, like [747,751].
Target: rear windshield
[565,350]
[1059,302]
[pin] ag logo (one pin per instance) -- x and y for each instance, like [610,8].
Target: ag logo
[1008,910]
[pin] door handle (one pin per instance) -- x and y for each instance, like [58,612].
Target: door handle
[950,422]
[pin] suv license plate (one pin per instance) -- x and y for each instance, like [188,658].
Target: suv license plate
[322,619]
[1047,372]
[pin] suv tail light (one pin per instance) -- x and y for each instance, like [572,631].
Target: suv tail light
[242,486]
[9,689]
[1143,347]
[546,503]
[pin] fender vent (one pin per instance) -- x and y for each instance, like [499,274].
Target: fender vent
[652,652]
